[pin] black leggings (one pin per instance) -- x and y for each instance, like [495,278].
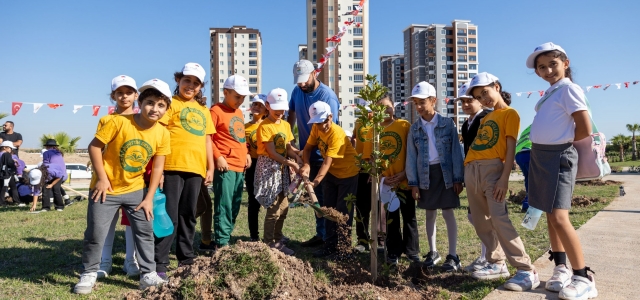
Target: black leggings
[13,190]
[52,194]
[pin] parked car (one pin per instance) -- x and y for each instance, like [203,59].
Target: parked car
[78,171]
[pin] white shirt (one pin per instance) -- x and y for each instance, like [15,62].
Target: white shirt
[428,126]
[553,123]
[470,120]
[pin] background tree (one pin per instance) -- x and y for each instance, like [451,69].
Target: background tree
[66,143]
[3,115]
[621,141]
[633,128]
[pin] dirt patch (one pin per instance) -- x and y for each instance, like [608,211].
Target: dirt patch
[517,197]
[598,182]
[252,270]
[583,201]
[35,158]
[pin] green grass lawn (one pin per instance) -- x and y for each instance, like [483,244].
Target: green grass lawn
[629,163]
[41,253]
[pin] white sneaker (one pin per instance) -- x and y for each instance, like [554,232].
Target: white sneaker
[87,281]
[477,264]
[491,271]
[523,281]
[580,288]
[131,268]
[22,205]
[561,278]
[105,269]
[151,279]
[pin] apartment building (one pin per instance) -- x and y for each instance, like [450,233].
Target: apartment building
[345,71]
[446,56]
[392,77]
[235,50]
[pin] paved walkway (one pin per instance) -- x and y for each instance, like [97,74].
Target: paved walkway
[610,242]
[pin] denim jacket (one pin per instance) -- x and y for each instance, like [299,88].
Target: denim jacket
[449,150]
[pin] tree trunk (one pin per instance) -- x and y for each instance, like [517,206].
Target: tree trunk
[635,150]
[621,152]
[375,214]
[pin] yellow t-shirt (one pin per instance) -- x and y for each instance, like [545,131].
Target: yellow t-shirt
[130,149]
[491,141]
[189,124]
[393,145]
[250,130]
[280,134]
[336,144]
[361,137]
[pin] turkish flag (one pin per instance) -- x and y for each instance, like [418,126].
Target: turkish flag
[96,109]
[15,107]
[111,109]
[54,106]
[541,93]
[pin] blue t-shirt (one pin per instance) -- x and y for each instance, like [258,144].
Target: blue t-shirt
[300,103]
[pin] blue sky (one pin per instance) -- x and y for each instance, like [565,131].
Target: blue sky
[68,51]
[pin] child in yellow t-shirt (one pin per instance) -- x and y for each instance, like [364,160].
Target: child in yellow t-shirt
[486,176]
[393,145]
[189,165]
[132,141]
[258,113]
[339,171]
[273,176]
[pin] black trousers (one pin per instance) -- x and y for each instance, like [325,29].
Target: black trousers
[254,206]
[13,190]
[182,190]
[335,190]
[363,207]
[405,241]
[53,192]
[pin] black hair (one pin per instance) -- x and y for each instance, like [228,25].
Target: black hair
[556,54]
[43,180]
[199,97]
[10,122]
[506,96]
[153,93]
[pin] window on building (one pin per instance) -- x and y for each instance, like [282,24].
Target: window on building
[472,31]
[443,31]
[357,43]
[473,67]
[444,84]
[314,46]
[253,71]
[443,58]
[314,33]
[331,33]
[358,66]
[449,58]
[221,53]
[221,72]
[449,67]
[397,81]
[443,49]
[449,32]
[472,58]
[221,45]
[443,41]
[449,49]
[330,20]
[253,89]
[443,76]
[444,93]
[462,40]
[253,80]
[222,63]
[253,45]
[472,49]
[358,78]
[253,62]
[444,67]
[462,58]
[350,90]
[462,76]
[357,32]
[313,11]
[462,49]
[357,89]
[472,40]
[253,54]
[253,36]
[449,41]
[330,8]
[313,22]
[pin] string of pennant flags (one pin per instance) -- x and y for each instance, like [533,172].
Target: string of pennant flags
[341,32]
[16,106]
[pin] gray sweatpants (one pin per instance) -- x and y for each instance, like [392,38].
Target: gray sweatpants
[99,217]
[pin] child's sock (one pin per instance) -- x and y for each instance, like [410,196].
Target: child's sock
[130,245]
[431,228]
[560,258]
[452,230]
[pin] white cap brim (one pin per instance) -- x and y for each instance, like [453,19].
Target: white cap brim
[301,78]
[258,101]
[319,118]
[243,91]
[421,96]
[279,106]
[34,182]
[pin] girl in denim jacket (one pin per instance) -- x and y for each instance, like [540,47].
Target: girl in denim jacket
[435,171]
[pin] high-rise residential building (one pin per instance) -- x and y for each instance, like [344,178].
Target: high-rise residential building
[302,51]
[235,50]
[345,71]
[392,77]
[446,56]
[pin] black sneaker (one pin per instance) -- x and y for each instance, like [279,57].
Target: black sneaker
[414,258]
[205,247]
[392,259]
[68,203]
[321,253]
[313,242]
[432,258]
[451,263]
[254,239]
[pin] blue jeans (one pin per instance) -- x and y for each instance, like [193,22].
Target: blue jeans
[315,167]
[522,159]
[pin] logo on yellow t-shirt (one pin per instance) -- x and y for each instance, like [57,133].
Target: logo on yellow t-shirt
[362,133]
[322,146]
[253,140]
[236,129]
[487,137]
[193,121]
[279,140]
[134,155]
[390,144]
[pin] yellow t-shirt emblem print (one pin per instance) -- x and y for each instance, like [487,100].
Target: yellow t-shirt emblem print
[487,137]
[193,121]
[135,154]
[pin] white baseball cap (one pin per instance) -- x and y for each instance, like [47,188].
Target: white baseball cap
[121,80]
[423,90]
[541,49]
[482,79]
[7,144]
[34,176]
[319,112]
[238,84]
[157,84]
[194,69]
[260,98]
[462,91]
[302,69]
[277,99]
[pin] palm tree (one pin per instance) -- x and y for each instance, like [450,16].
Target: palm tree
[66,143]
[633,128]
[3,115]
[621,141]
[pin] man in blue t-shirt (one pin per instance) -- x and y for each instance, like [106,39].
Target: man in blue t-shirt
[308,91]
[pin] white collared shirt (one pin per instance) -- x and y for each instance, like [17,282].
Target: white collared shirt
[470,120]
[553,123]
[429,126]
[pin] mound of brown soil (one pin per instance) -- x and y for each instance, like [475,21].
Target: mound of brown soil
[599,182]
[583,201]
[517,198]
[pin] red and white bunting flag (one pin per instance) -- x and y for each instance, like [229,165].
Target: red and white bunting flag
[597,86]
[541,93]
[519,94]
[137,110]
[76,108]
[405,103]
[589,88]
[606,87]
[96,109]
[111,109]
[15,107]
[626,85]
[618,85]
[529,94]
[635,82]
[36,107]
[54,106]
